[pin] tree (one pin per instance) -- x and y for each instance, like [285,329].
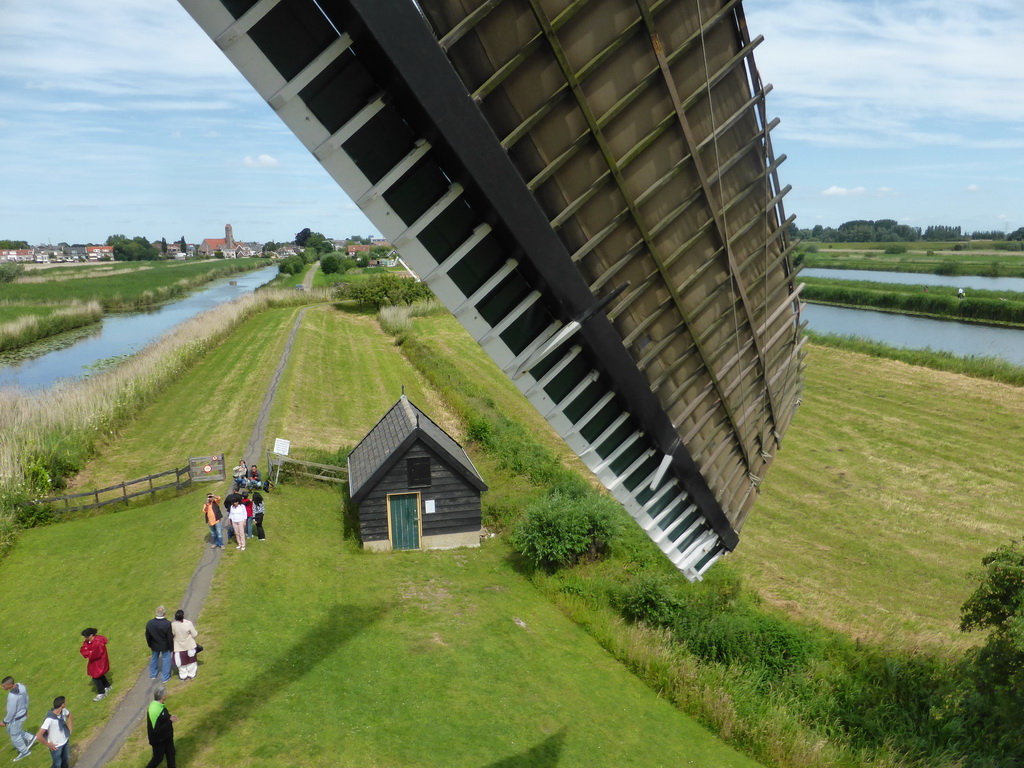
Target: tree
[182,244]
[13,245]
[163,245]
[136,249]
[998,605]
[331,263]
[302,237]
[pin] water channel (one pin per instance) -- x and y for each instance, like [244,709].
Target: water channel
[77,353]
[909,332]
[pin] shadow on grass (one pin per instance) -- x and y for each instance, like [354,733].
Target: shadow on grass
[340,624]
[547,754]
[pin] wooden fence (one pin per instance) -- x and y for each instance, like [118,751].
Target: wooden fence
[182,479]
[275,461]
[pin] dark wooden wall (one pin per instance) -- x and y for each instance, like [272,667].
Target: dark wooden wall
[456,501]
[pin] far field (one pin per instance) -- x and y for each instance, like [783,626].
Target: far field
[976,258]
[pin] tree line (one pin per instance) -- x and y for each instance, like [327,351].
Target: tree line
[891,231]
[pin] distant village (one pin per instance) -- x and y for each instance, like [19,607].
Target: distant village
[212,247]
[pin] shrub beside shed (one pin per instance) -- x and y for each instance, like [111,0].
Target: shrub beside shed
[414,485]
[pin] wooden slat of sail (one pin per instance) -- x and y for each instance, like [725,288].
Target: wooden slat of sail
[721,68]
[531,155]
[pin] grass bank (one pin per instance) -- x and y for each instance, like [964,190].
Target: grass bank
[995,307]
[32,323]
[46,439]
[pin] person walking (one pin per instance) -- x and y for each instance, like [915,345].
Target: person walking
[17,712]
[94,648]
[213,515]
[160,729]
[55,733]
[238,517]
[160,640]
[185,646]
[259,509]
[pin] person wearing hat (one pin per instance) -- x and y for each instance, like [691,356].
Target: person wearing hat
[94,648]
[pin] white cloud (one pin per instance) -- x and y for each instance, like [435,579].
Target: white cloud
[835,191]
[261,161]
[897,74]
[973,187]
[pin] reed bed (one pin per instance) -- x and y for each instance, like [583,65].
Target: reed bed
[62,276]
[980,306]
[47,436]
[28,328]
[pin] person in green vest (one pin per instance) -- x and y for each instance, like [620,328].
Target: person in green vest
[160,727]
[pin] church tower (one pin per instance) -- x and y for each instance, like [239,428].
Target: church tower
[229,237]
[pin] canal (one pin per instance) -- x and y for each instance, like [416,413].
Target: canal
[78,353]
[966,282]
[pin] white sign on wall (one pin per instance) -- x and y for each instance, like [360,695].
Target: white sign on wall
[428,506]
[281,446]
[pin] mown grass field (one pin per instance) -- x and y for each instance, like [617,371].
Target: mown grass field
[343,376]
[979,259]
[892,482]
[317,652]
[211,409]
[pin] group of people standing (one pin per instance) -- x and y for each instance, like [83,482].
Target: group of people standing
[172,641]
[243,516]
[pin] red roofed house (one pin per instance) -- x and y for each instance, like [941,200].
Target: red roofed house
[355,249]
[225,245]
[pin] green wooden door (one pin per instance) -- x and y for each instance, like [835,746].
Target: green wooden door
[405,529]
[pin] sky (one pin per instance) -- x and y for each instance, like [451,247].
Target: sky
[122,117]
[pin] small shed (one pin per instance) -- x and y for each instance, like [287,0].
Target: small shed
[414,485]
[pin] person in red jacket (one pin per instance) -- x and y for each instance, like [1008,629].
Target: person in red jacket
[94,648]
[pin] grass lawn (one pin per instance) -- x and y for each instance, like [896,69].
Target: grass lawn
[211,409]
[891,484]
[107,572]
[343,375]
[317,652]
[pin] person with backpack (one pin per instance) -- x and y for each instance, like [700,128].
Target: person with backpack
[55,733]
[213,516]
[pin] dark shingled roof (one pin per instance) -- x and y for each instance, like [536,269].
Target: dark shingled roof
[383,445]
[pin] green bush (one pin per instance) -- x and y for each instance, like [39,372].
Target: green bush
[947,267]
[558,531]
[896,248]
[9,271]
[330,264]
[652,599]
